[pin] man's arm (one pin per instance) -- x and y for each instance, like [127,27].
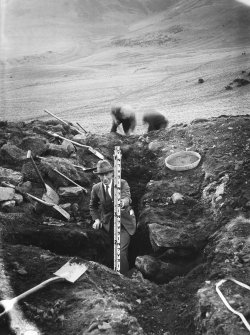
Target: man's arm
[94,204]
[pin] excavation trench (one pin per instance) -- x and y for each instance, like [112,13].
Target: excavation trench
[179,246]
[79,239]
[26,231]
[73,239]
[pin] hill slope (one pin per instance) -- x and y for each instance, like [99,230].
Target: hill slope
[77,57]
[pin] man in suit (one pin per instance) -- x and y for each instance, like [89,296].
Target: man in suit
[102,209]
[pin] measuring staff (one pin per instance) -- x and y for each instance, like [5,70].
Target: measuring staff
[117,208]
[102,210]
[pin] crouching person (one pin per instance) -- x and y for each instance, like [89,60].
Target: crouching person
[123,115]
[102,209]
[155,121]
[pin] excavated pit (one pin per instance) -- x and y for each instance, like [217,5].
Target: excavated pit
[178,215]
[70,240]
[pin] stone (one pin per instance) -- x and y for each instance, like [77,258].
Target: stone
[25,187]
[11,154]
[6,193]
[167,236]
[10,176]
[65,166]
[8,204]
[162,272]
[176,197]
[68,146]
[154,146]
[66,192]
[36,144]
[18,198]
[58,150]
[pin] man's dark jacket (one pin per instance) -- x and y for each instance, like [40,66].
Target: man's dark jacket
[103,208]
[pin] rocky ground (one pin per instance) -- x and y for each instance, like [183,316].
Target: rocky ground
[193,230]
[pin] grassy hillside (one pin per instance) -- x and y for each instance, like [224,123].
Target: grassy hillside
[78,57]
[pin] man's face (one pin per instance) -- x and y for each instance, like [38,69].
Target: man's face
[106,178]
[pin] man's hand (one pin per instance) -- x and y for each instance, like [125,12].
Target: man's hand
[97,224]
[124,202]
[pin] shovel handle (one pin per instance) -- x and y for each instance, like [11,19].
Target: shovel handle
[29,155]
[63,121]
[37,287]
[6,184]
[70,180]
[95,152]
[81,127]
[8,304]
[40,200]
[56,117]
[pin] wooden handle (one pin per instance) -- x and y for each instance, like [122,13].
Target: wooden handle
[95,152]
[65,122]
[81,127]
[40,200]
[37,287]
[5,184]
[46,111]
[29,155]
[70,180]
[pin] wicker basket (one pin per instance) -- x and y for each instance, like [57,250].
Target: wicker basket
[183,160]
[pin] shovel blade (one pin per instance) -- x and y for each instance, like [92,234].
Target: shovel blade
[51,195]
[71,271]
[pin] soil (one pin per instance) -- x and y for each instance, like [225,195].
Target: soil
[157,309]
[35,245]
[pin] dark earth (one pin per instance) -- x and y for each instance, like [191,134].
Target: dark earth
[193,230]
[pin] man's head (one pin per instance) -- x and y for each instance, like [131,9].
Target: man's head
[104,170]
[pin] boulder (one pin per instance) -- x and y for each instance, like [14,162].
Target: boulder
[70,192]
[18,198]
[36,144]
[162,272]
[10,176]
[65,166]
[6,193]
[68,146]
[12,154]
[58,150]
[155,146]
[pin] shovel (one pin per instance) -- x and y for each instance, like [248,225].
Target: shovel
[49,204]
[50,195]
[70,272]
[70,180]
[95,152]
[59,209]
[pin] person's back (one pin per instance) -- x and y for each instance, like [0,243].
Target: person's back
[125,115]
[155,120]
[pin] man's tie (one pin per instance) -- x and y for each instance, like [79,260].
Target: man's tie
[108,197]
